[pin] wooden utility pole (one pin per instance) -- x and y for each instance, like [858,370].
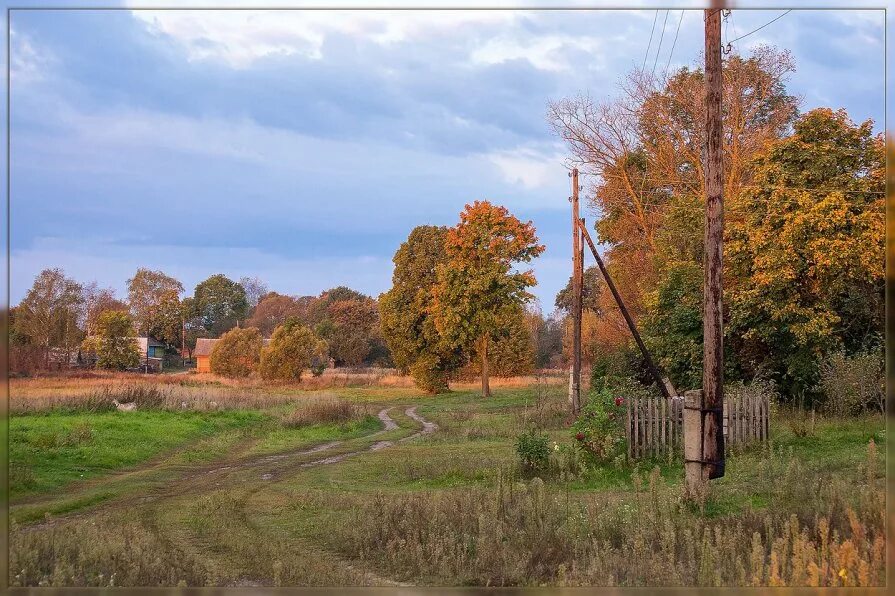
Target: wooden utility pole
[663,382]
[577,290]
[713,335]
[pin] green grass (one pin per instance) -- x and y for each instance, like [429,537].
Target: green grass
[48,451]
[282,439]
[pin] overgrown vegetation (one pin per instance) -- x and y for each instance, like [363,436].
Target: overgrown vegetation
[453,508]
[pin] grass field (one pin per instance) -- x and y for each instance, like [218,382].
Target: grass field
[246,485]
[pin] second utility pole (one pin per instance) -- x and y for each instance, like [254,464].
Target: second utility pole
[577,307]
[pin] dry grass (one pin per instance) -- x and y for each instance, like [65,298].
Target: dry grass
[526,534]
[96,390]
[154,392]
[323,409]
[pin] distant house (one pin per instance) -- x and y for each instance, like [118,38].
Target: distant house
[152,352]
[203,351]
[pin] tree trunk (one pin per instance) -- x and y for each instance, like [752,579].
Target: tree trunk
[486,387]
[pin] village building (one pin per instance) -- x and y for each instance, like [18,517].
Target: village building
[152,352]
[202,353]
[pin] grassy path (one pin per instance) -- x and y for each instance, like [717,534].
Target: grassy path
[163,477]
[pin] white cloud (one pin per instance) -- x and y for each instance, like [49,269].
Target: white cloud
[529,168]
[28,62]
[239,38]
[545,53]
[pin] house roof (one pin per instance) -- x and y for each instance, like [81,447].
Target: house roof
[204,346]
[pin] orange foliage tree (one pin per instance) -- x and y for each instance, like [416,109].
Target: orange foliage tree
[477,288]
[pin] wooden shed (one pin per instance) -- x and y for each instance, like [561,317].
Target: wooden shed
[202,352]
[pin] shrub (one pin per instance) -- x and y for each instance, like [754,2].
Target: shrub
[599,428]
[534,451]
[428,374]
[852,384]
[292,349]
[237,353]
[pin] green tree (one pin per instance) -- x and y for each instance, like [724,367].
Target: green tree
[511,352]
[114,344]
[49,313]
[350,328]
[146,291]
[407,322]
[167,322]
[237,353]
[478,287]
[292,349]
[219,303]
[672,328]
[808,255]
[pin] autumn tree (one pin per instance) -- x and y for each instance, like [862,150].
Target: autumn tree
[147,290]
[292,349]
[219,303]
[643,150]
[48,315]
[407,321]
[114,344]
[237,353]
[272,311]
[477,286]
[317,308]
[807,252]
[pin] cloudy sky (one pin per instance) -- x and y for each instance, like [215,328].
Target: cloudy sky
[302,147]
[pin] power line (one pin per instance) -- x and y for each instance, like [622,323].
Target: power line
[778,17]
[659,49]
[674,43]
[649,45]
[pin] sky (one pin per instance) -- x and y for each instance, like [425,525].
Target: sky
[302,147]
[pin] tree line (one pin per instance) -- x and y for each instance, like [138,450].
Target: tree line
[458,308]
[60,318]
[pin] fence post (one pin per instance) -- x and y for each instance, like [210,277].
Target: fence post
[693,443]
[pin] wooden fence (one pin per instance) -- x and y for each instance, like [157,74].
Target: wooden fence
[655,424]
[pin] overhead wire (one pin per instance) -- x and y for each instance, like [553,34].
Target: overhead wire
[777,18]
[649,45]
[661,37]
[674,43]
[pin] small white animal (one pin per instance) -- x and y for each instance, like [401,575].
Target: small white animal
[128,407]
